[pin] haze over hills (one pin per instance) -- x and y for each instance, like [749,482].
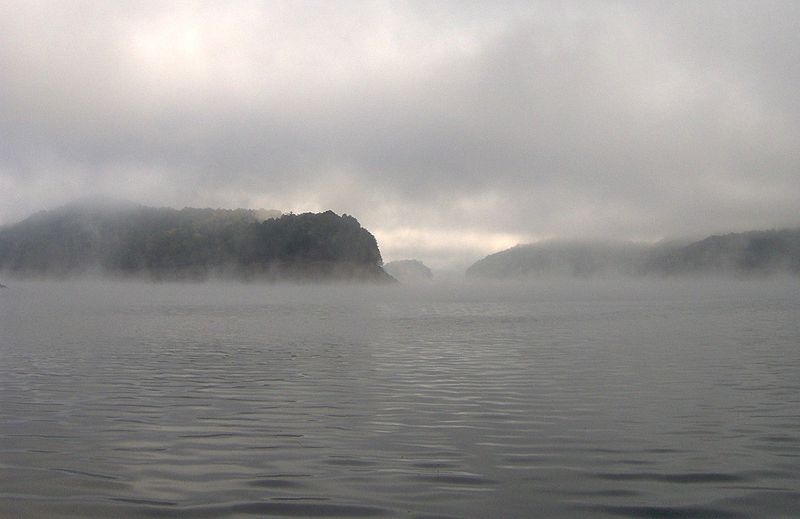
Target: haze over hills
[130,240]
[408,271]
[741,254]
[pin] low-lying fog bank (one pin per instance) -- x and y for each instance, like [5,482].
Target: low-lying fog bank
[101,291]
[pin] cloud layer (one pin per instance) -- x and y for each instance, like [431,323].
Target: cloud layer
[449,129]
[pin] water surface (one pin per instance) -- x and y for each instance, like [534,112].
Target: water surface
[634,399]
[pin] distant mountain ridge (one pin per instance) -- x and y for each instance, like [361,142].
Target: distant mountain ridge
[740,254]
[131,240]
[408,271]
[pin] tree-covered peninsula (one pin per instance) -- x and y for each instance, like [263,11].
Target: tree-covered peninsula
[135,241]
[754,253]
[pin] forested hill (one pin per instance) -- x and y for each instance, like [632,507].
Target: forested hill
[747,253]
[408,271]
[755,253]
[163,243]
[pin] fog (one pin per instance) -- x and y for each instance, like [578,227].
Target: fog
[199,197]
[450,130]
[365,300]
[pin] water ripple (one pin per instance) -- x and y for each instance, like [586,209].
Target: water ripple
[212,401]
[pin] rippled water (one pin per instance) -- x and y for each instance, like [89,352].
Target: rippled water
[599,399]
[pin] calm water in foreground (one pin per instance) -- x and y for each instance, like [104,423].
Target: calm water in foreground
[634,399]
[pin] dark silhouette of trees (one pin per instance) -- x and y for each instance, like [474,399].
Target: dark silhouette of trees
[189,244]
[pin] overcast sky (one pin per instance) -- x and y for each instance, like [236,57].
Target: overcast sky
[450,130]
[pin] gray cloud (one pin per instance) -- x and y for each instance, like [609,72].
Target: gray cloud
[449,129]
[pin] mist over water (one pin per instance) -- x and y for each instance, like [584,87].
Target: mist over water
[556,398]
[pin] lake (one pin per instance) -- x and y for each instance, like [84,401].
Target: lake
[550,399]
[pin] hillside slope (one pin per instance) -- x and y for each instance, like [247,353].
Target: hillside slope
[740,254]
[162,243]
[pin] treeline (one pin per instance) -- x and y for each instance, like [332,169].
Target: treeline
[163,243]
[749,253]
[755,253]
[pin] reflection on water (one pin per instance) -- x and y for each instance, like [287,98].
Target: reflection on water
[637,400]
